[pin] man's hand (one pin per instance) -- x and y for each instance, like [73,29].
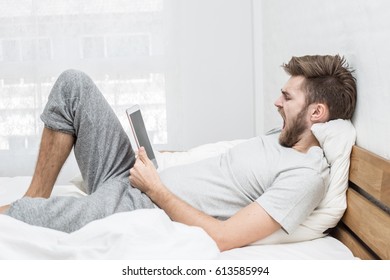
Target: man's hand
[144,176]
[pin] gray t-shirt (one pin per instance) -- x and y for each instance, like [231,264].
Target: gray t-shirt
[288,184]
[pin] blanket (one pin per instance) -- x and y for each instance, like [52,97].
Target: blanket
[141,234]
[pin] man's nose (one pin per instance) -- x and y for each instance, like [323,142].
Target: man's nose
[279,102]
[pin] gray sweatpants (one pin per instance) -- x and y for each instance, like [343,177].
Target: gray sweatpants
[103,153]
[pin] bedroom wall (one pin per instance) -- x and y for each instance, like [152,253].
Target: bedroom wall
[357,29]
[212,56]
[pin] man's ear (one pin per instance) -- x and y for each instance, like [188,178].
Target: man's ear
[319,113]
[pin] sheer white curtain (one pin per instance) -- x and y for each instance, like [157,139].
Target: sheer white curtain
[189,64]
[119,43]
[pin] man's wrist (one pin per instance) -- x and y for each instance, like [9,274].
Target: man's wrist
[159,193]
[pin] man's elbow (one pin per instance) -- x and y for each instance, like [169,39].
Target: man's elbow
[228,239]
[224,240]
[223,243]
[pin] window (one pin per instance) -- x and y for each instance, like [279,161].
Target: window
[136,45]
[118,43]
[10,50]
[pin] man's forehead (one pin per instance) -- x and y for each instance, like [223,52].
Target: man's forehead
[294,85]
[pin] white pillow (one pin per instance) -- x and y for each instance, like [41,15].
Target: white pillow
[168,159]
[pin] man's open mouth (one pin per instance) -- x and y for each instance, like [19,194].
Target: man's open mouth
[283,117]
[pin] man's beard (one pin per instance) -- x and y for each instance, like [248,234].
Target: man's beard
[292,134]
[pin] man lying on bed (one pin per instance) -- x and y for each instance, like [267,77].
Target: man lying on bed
[257,187]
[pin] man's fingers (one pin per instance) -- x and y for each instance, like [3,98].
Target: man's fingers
[142,155]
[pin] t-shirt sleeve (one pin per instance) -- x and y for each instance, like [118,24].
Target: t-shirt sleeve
[293,196]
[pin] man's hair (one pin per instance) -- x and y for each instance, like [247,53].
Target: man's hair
[328,80]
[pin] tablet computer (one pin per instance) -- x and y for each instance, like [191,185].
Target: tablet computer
[139,133]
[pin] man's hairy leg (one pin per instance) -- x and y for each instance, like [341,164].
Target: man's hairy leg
[3,208]
[54,150]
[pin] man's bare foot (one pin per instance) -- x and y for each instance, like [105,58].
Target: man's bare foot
[3,208]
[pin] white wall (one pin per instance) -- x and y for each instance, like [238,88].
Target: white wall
[212,80]
[357,29]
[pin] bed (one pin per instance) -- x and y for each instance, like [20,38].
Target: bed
[150,234]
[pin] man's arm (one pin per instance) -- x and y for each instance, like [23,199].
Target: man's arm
[246,226]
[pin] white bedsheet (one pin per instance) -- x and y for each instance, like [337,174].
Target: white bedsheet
[142,234]
[325,248]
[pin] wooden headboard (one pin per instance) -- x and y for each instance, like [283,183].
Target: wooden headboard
[365,226]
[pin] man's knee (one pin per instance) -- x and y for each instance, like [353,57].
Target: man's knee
[72,75]
[71,85]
